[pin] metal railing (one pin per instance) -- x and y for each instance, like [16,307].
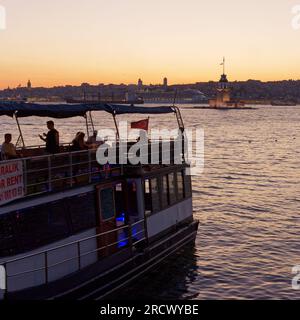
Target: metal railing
[42,147]
[108,243]
[52,173]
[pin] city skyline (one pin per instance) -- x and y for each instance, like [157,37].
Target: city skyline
[61,42]
[140,83]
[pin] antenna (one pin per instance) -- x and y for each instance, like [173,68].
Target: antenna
[223,65]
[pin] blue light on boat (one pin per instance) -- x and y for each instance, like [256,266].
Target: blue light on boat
[122,241]
[121,218]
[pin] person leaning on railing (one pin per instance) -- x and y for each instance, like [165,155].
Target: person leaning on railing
[51,138]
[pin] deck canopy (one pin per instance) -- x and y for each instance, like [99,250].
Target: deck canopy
[62,111]
[23,109]
[126,109]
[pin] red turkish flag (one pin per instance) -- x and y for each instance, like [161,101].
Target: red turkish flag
[142,124]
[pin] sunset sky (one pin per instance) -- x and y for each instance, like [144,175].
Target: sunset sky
[55,42]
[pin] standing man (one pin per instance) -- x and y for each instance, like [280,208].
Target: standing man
[51,138]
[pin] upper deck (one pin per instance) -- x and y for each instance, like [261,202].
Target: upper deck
[37,173]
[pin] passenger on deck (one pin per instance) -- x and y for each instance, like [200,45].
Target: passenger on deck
[8,150]
[93,138]
[51,138]
[94,141]
[78,144]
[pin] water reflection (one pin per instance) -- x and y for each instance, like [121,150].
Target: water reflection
[171,280]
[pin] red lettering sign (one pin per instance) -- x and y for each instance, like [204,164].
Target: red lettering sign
[11,181]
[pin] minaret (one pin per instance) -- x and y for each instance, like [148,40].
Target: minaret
[29,84]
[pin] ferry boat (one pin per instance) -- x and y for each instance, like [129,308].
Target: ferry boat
[281,103]
[127,101]
[71,229]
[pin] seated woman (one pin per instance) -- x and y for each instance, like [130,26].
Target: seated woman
[78,144]
[8,150]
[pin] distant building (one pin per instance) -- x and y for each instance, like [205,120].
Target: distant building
[165,83]
[130,96]
[140,84]
[29,84]
[223,99]
[223,91]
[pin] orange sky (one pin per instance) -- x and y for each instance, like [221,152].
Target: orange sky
[62,42]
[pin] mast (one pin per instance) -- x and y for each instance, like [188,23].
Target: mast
[223,64]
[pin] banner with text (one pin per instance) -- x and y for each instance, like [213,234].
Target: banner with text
[11,181]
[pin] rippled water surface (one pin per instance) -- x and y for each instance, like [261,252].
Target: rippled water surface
[247,201]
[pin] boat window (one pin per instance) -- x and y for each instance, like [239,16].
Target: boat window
[8,243]
[172,188]
[147,186]
[148,201]
[132,198]
[155,195]
[119,199]
[164,193]
[82,211]
[187,185]
[57,220]
[107,204]
[39,225]
[180,186]
[30,228]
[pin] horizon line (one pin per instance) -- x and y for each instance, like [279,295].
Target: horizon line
[148,84]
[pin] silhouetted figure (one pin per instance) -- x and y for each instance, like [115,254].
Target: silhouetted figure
[8,150]
[51,138]
[78,144]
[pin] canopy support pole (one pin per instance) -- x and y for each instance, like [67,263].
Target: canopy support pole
[86,124]
[89,123]
[92,121]
[178,113]
[115,122]
[117,128]
[181,128]
[179,118]
[20,132]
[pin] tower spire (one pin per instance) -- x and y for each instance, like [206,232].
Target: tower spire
[223,64]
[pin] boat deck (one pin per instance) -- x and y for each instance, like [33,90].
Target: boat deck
[46,173]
